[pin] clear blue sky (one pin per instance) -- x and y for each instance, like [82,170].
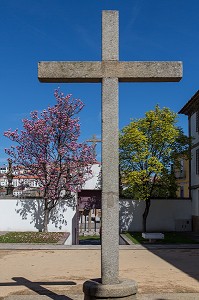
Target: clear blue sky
[45,30]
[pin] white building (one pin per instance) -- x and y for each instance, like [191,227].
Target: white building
[3,169]
[20,183]
[93,181]
[191,109]
[3,180]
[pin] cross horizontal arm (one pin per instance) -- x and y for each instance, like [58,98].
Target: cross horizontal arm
[94,141]
[94,71]
[69,71]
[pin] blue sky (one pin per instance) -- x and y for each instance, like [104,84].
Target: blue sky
[50,30]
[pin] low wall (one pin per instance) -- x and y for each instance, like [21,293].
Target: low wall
[26,215]
[164,215]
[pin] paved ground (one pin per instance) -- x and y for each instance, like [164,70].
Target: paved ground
[61,270]
[167,296]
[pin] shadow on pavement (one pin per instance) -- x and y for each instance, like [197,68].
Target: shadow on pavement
[185,260]
[38,287]
[92,241]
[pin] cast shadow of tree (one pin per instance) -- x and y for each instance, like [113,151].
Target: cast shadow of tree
[127,213]
[184,257]
[33,210]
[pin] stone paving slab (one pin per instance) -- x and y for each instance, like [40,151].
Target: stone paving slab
[21,246]
[169,296]
[178,296]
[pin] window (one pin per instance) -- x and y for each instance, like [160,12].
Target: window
[197,121]
[197,161]
[181,168]
[181,191]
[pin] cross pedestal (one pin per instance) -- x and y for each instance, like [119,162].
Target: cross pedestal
[108,72]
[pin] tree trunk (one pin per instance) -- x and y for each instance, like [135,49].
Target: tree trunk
[46,219]
[145,214]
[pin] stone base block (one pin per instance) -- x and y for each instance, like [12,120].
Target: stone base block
[124,290]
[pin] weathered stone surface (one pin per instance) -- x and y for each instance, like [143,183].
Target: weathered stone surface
[69,71]
[110,182]
[93,289]
[153,235]
[110,35]
[110,156]
[95,71]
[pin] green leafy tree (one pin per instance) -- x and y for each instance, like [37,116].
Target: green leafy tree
[148,148]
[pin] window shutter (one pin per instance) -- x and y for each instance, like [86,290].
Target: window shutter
[197,161]
[197,121]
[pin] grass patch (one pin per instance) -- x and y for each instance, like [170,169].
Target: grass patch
[169,238]
[133,237]
[32,237]
[89,237]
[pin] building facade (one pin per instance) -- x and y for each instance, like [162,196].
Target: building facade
[3,169]
[191,109]
[182,178]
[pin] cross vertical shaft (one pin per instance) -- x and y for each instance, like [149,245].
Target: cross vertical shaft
[110,158]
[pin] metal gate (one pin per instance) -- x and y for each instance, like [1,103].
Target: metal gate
[89,212]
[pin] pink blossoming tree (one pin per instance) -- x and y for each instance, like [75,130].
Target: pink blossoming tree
[48,148]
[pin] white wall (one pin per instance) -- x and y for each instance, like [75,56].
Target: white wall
[26,215]
[94,180]
[164,215]
[195,202]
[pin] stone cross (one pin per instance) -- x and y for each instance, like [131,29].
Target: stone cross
[9,176]
[109,72]
[94,142]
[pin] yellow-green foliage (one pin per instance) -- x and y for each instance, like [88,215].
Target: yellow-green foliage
[147,148]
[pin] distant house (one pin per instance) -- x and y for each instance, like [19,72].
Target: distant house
[25,186]
[2,192]
[3,169]
[191,109]
[17,192]
[26,181]
[3,180]
[182,178]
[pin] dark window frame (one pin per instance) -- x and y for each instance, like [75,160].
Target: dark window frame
[181,191]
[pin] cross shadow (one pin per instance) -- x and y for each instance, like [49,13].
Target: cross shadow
[38,287]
